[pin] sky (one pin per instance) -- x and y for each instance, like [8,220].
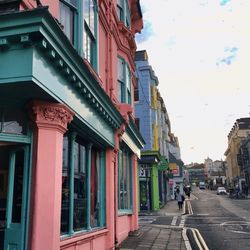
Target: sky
[200,51]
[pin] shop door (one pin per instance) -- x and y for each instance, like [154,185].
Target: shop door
[14,233]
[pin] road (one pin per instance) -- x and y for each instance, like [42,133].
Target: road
[223,223]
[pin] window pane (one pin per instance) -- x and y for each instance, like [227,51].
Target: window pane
[13,122]
[18,187]
[92,17]
[125,180]
[120,11]
[128,181]
[80,197]
[88,47]
[125,176]
[127,19]
[89,15]
[94,214]
[65,188]
[67,20]
[120,70]
[120,181]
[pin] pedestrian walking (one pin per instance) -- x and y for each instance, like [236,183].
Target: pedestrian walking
[179,199]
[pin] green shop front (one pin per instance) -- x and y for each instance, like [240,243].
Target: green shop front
[152,180]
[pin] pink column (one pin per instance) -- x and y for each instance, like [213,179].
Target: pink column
[110,197]
[51,122]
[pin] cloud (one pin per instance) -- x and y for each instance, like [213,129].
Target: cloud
[229,56]
[146,33]
[204,2]
[224,2]
[170,42]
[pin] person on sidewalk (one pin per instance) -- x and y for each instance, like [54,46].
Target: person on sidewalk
[179,199]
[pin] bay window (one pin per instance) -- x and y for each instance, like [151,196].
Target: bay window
[83,186]
[79,22]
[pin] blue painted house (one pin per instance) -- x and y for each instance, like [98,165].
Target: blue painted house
[153,123]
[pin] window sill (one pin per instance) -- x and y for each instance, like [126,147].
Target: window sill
[125,212]
[76,238]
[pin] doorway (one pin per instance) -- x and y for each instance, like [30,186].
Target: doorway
[13,194]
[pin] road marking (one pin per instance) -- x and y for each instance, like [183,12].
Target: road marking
[190,210]
[173,223]
[199,239]
[182,222]
[186,240]
[195,197]
[236,226]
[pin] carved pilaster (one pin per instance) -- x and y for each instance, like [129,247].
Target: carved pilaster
[50,115]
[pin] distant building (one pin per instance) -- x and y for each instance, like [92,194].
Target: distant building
[215,172]
[240,131]
[197,173]
[244,159]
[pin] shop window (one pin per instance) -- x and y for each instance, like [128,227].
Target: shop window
[124,81]
[123,12]
[124,181]
[83,187]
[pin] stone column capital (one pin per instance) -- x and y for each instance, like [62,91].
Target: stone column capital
[50,115]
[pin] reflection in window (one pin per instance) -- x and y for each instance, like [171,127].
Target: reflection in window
[124,81]
[67,17]
[94,220]
[18,187]
[65,188]
[13,121]
[75,215]
[123,12]
[80,195]
[125,180]
[89,33]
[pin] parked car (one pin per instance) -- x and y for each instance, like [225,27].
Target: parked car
[202,185]
[221,190]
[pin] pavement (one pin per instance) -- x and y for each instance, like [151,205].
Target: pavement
[163,229]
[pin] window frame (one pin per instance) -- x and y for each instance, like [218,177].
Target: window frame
[86,31]
[123,8]
[101,182]
[75,24]
[122,209]
[126,84]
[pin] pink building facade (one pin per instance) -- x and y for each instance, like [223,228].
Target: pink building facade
[69,147]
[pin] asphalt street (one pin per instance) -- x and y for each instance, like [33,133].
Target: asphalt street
[223,223]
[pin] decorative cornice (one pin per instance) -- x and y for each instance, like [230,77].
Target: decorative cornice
[50,115]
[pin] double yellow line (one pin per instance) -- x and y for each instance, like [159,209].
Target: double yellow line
[189,207]
[199,239]
[196,234]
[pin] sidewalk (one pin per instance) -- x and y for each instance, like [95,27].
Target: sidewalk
[160,234]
